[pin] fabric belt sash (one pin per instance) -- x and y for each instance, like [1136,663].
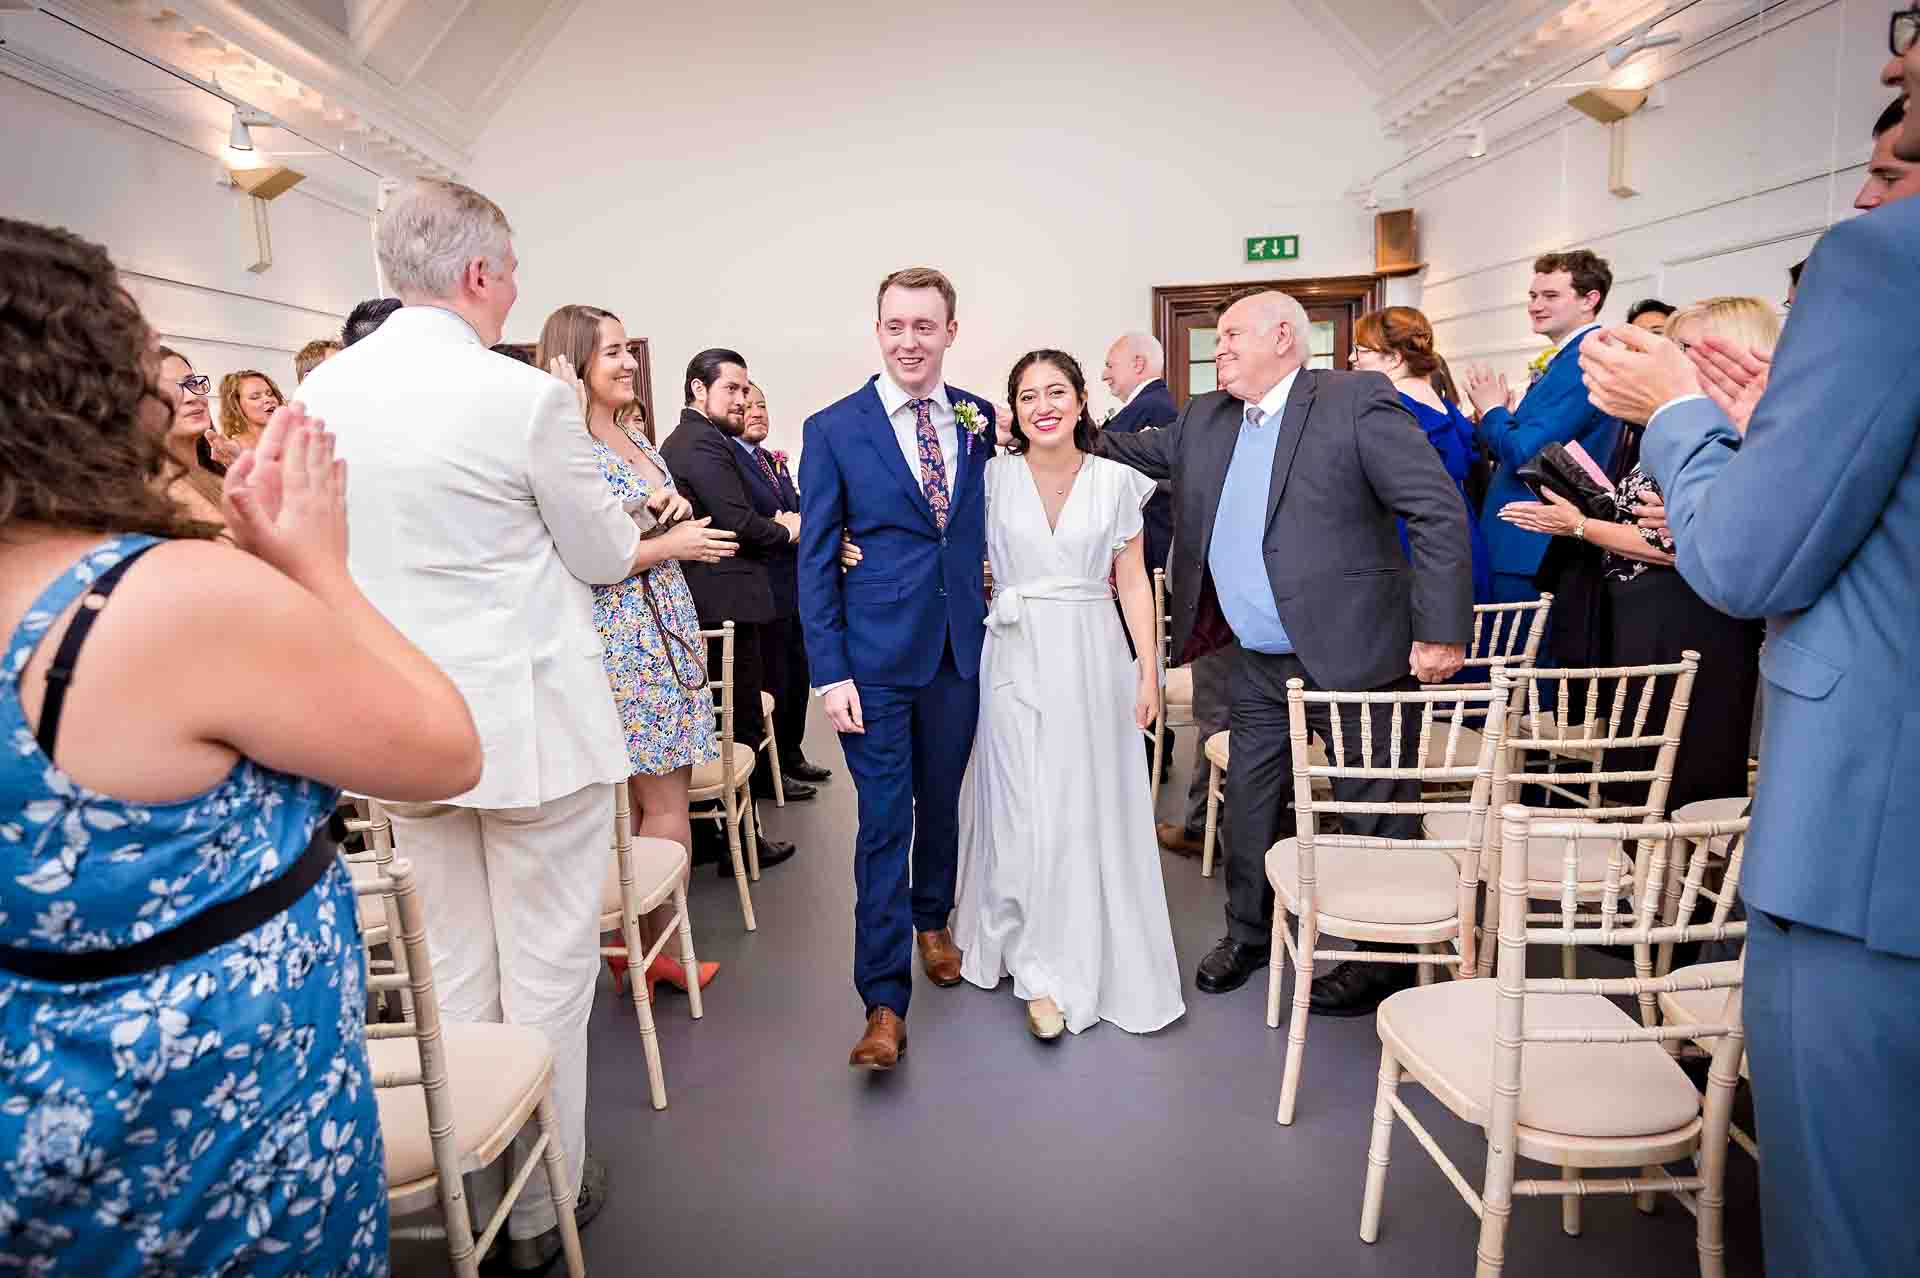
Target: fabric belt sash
[1016,657]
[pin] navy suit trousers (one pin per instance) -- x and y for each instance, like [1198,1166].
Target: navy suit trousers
[907,768]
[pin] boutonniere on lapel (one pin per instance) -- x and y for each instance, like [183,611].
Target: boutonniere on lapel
[778,456]
[972,421]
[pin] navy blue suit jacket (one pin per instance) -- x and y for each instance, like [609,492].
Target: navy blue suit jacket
[1556,410]
[918,590]
[1813,521]
[1152,407]
[768,501]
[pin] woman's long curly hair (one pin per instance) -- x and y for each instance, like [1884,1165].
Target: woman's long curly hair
[233,420]
[76,373]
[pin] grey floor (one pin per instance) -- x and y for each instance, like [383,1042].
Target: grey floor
[988,1152]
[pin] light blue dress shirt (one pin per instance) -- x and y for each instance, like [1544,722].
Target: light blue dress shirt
[1237,554]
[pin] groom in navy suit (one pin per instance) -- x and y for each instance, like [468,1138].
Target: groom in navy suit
[894,643]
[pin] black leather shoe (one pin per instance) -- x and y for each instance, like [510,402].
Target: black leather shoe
[772,853]
[795,767]
[1228,965]
[796,791]
[525,1257]
[1356,989]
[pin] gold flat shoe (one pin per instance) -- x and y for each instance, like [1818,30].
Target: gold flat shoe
[1045,1020]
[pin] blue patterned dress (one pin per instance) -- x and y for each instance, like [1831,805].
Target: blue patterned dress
[213,1116]
[668,725]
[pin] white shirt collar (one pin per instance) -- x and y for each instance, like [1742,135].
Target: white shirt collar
[1135,394]
[893,399]
[1274,402]
[1574,334]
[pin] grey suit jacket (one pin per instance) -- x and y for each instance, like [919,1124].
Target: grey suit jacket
[1813,521]
[1349,459]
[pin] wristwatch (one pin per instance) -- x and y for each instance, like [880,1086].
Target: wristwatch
[1580,529]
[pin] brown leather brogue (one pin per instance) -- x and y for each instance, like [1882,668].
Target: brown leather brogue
[1176,839]
[884,1043]
[939,956]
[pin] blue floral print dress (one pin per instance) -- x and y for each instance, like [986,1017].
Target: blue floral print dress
[211,1116]
[668,724]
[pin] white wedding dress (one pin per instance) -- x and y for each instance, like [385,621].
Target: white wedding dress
[1060,881]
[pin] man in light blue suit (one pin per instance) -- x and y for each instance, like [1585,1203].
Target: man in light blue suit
[1563,304]
[1813,521]
[894,643]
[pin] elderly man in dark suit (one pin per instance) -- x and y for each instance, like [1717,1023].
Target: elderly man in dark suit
[1134,373]
[784,651]
[707,469]
[1286,484]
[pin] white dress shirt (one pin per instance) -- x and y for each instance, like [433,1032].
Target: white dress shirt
[906,427]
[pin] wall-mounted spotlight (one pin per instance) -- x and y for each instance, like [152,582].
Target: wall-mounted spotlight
[1476,136]
[1620,54]
[239,138]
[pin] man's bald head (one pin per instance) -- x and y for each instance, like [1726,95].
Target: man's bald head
[1133,359]
[1262,338]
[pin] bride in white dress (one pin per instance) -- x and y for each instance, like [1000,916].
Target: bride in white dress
[1060,878]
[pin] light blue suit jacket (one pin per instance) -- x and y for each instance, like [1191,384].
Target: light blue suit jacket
[1814,523]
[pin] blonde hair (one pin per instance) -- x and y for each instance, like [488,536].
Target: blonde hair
[918,277]
[312,355]
[233,422]
[1751,321]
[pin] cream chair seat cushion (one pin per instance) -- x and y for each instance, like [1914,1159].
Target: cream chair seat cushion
[1714,810]
[1220,751]
[1544,854]
[711,776]
[657,864]
[1701,1007]
[492,1072]
[1444,1034]
[1367,886]
[1177,688]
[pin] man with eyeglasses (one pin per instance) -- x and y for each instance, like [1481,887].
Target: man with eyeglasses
[1812,520]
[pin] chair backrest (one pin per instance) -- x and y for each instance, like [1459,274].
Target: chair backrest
[1567,925]
[721,687]
[1420,718]
[1690,859]
[1581,714]
[1162,624]
[1509,632]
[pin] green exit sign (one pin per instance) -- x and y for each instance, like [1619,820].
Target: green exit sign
[1273,248]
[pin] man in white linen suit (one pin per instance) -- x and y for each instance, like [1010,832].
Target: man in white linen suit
[477,519]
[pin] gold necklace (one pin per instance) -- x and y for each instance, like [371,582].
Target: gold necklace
[1062,490]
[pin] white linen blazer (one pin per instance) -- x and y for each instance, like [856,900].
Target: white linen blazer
[478,515]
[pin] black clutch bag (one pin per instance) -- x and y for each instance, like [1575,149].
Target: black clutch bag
[1556,469]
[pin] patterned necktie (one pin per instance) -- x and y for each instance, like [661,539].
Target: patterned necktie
[933,470]
[766,468]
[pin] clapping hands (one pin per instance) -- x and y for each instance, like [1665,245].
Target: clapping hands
[285,500]
[1489,390]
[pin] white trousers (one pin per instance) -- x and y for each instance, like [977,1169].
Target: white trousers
[513,921]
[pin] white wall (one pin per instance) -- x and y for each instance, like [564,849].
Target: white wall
[744,174]
[1757,150]
[181,240]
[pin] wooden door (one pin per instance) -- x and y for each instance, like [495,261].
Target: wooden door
[1184,316]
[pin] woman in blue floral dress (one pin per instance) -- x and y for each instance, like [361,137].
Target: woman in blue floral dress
[656,660]
[184,1085]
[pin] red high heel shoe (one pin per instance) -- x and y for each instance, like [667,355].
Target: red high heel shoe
[664,969]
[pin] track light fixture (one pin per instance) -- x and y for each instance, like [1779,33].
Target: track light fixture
[1476,136]
[239,137]
[1620,54]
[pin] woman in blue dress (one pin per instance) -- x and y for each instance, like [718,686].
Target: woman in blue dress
[184,1085]
[655,657]
[1398,342]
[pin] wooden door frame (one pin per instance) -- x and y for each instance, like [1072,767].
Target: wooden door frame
[1173,303]
[642,381]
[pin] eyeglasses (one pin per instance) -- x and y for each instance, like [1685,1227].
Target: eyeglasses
[1903,30]
[195,384]
[1358,351]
